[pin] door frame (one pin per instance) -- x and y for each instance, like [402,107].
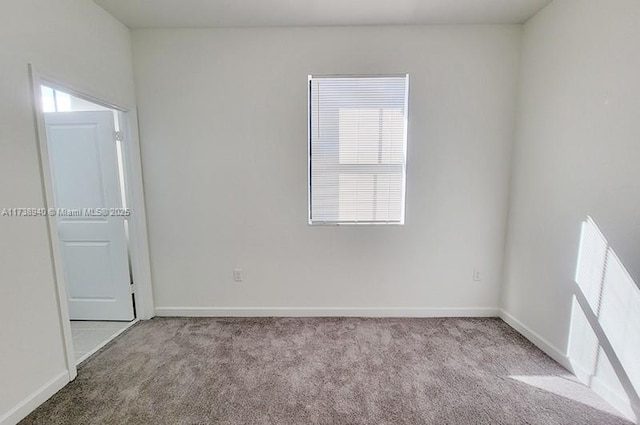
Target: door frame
[134,192]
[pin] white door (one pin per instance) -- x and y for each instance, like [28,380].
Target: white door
[82,152]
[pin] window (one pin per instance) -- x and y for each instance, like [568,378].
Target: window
[357,149]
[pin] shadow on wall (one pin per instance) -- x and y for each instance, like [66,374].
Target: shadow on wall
[604,340]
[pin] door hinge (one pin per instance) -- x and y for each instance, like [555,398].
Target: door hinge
[118,136]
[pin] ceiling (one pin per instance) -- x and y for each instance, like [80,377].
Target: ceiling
[261,13]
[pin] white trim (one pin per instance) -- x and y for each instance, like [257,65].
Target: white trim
[105,342]
[35,399]
[80,92]
[547,347]
[172,311]
[138,237]
[56,259]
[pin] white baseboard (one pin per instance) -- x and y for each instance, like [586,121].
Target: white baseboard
[551,350]
[35,399]
[622,404]
[325,312]
[611,396]
[598,386]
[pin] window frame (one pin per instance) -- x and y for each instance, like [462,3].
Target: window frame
[404,165]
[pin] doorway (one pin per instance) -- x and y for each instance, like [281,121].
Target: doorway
[130,278]
[91,216]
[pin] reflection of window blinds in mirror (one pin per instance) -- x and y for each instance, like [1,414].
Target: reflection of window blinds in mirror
[358,135]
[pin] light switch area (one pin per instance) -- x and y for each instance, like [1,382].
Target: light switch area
[477,277]
[237,275]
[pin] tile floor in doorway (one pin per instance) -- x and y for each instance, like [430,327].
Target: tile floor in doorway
[88,336]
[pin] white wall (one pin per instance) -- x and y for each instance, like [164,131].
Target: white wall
[77,42]
[576,153]
[223,117]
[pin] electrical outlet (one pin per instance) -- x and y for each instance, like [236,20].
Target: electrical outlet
[237,275]
[477,277]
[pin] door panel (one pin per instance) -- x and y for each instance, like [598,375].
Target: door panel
[82,151]
[77,171]
[89,270]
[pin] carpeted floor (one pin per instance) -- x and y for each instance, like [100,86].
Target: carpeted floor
[286,371]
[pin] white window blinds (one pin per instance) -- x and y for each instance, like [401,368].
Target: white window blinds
[357,149]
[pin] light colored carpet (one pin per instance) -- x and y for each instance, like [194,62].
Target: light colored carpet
[299,371]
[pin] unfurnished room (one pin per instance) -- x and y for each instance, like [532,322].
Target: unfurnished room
[332,212]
